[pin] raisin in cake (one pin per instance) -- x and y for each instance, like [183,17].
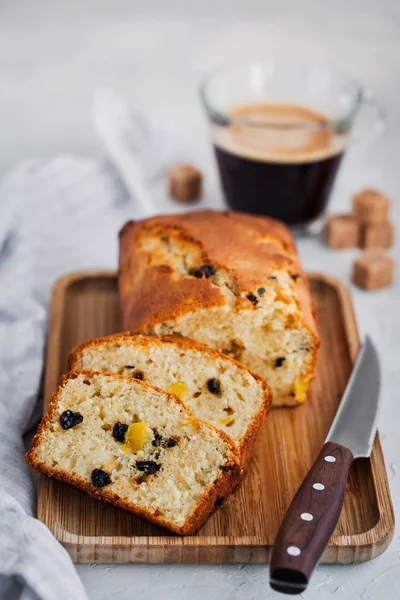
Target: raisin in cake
[137,447]
[229,280]
[215,387]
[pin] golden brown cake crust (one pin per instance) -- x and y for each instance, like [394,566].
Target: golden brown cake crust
[249,247]
[225,483]
[246,446]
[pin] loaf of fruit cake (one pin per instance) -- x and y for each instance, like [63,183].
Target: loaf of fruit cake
[229,280]
[137,447]
[215,387]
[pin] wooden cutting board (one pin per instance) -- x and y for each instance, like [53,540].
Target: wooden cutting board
[85,306]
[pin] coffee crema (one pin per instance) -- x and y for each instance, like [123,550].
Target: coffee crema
[278,159]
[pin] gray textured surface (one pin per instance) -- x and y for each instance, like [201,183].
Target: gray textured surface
[54,55]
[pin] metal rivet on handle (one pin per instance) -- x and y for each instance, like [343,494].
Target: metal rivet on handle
[318,486]
[306,516]
[330,459]
[293,551]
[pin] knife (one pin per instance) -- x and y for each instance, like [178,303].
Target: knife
[315,509]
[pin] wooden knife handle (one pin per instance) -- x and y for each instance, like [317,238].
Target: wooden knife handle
[310,520]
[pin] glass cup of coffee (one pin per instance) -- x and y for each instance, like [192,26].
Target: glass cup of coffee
[280,132]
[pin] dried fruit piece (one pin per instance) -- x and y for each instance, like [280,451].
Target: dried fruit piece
[206,271]
[253,299]
[301,399]
[279,361]
[100,478]
[69,419]
[179,388]
[135,436]
[214,386]
[148,467]
[163,442]
[261,291]
[119,431]
[138,375]
[295,276]
[170,443]
[300,389]
[227,421]
[158,439]
[305,348]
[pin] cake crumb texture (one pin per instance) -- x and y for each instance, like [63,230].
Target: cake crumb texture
[184,466]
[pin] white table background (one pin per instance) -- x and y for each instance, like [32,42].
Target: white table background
[54,55]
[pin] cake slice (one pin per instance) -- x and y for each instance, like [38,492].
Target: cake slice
[137,447]
[216,388]
[229,280]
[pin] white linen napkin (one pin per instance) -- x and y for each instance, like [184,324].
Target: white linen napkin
[56,217]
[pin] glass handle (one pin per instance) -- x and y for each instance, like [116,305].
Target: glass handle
[371,120]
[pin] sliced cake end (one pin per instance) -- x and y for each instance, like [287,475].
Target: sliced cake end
[137,447]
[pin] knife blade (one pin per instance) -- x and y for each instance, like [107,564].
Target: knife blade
[315,509]
[354,425]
